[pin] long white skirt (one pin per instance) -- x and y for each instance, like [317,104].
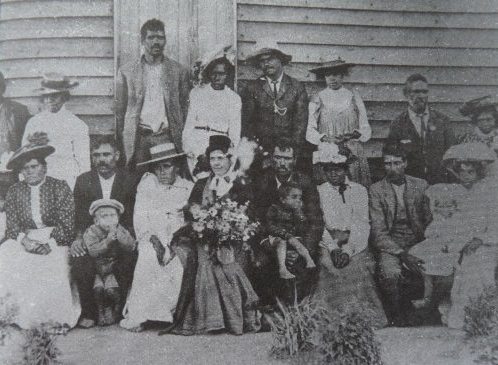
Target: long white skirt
[155,289]
[38,284]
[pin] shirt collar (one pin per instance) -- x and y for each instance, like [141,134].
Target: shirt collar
[415,116]
[279,80]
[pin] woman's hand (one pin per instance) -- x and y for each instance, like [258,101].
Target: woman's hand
[35,247]
[339,258]
[413,263]
[159,248]
[471,246]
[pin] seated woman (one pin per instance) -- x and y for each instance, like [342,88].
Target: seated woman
[161,196]
[40,224]
[216,294]
[345,279]
[468,241]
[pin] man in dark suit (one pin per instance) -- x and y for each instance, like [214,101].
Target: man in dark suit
[399,215]
[13,119]
[266,193]
[424,133]
[275,105]
[106,181]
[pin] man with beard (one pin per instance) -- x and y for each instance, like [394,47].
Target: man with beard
[104,181]
[424,133]
[151,98]
[282,171]
[399,214]
[275,105]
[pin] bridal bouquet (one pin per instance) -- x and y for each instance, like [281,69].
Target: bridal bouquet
[226,219]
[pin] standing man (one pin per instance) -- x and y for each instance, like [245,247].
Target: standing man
[399,214]
[13,119]
[424,133]
[282,171]
[151,98]
[275,105]
[104,181]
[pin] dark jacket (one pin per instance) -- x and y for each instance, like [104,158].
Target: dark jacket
[240,193]
[17,117]
[56,205]
[266,194]
[259,119]
[424,159]
[87,189]
[383,204]
[129,99]
[285,223]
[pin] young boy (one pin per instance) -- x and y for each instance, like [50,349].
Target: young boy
[286,223]
[103,240]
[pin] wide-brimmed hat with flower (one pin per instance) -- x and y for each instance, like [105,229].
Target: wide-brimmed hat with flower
[478,105]
[37,147]
[267,46]
[224,53]
[328,67]
[469,152]
[54,83]
[333,154]
[162,152]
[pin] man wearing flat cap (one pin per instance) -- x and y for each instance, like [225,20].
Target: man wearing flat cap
[275,105]
[66,132]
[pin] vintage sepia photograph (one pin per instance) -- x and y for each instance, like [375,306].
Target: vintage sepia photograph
[248,182]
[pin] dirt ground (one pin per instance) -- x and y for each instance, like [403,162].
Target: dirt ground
[108,346]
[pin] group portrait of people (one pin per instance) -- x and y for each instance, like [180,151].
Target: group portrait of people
[112,229]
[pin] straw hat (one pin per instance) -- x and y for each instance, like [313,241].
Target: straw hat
[331,153]
[54,83]
[161,152]
[478,105]
[336,64]
[469,151]
[225,53]
[267,46]
[36,148]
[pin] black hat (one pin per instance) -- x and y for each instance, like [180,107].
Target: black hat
[218,142]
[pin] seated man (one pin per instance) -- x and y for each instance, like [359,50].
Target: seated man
[399,214]
[266,187]
[104,181]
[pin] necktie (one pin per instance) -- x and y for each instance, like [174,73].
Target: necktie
[275,91]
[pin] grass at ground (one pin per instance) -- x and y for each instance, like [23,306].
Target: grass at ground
[112,345]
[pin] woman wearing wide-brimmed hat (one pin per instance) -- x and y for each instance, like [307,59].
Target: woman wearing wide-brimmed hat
[338,115]
[161,196]
[214,108]
[40,225]
[67,133]
[483,114]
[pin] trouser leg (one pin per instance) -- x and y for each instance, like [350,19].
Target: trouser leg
[389,278]
[83,273]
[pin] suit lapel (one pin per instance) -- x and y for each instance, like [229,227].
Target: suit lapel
[284,85]
[411,128]
[266,87]
[96,182]
[116,186]
[167,80]
[390,198]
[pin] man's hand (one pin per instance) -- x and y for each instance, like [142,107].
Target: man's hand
[113,234]
[78,248]
[413,263]
[339,258]
[159,248]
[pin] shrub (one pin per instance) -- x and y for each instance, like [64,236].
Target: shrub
[40,346]
[480,314]
[307,333]
[8,314]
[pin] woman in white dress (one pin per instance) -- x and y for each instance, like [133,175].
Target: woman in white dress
[161,197]
[66,132]
[338,115]
[34,267]
[214,109]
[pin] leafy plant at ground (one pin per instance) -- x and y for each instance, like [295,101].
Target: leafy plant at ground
[481,326]
[40,347]
[307,333]
[8,314]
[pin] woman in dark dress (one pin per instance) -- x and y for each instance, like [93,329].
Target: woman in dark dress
[216,294]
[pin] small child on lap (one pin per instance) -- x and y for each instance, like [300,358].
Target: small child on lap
[103,240]
[286,224]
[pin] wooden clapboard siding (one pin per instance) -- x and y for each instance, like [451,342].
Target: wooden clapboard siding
[73,37]
[454,43]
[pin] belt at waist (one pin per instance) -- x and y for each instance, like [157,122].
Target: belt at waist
[209,129]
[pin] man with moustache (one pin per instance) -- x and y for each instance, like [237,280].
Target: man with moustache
[424,133]
[104,181]
[399,214]
[275,105]
[151,99]
[282,171]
